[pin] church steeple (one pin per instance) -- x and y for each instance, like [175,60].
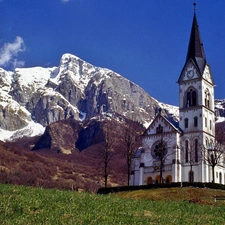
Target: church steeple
[195,49]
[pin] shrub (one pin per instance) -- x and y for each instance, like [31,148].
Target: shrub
[169,185]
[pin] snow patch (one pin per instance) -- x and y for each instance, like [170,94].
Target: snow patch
[31,130]
[220,119]
[35,77]
[82,116]
[174,110]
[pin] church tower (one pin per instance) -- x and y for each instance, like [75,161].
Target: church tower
[196,109]
[177,153]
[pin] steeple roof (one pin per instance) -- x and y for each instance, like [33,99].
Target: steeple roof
[195,49]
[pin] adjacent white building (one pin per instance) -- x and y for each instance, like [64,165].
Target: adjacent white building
[176,150]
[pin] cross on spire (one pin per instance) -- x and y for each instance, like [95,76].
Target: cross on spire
[194,4]
[195,48]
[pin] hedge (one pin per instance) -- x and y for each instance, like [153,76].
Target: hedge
[168,185]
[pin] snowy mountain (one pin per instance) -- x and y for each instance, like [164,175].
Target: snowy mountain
[220,110]
[33,98]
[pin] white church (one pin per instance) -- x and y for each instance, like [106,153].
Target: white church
[174,153]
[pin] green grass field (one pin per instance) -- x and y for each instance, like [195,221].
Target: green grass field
[25,205]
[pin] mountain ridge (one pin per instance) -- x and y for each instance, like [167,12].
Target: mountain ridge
[75,89]
[37,97]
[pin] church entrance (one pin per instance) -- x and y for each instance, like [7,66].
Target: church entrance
[149,180]
[168,179]
[157,179]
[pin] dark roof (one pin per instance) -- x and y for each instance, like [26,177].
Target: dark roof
[171,122]
[195,49]
[137,153]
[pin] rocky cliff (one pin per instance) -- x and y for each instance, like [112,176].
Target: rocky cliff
[33,98]
[75,89]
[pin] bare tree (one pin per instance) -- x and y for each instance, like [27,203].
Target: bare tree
[131,141]
[214,153]
[163,148]
[160,151]
[106,149]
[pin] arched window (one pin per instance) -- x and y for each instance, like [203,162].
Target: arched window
[196,150]
[186,151]
[207,99]
[159,129]
[220,178]
[206,142]
[186,123]
[191,99]
[188,99]
[194,98]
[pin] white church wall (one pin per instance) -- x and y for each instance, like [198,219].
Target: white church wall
[218,178]
[208,121]
[172,140]
[186,173]
[135,170]
[136,178]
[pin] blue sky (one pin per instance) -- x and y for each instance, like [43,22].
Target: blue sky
[145,41]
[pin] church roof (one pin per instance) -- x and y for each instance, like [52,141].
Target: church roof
[172,123]
[195,48]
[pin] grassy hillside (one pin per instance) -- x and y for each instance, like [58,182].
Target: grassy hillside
[24,205]
[47,169]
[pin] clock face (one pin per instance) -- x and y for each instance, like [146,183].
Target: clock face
[190,72]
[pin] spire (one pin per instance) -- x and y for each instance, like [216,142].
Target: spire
[195,48]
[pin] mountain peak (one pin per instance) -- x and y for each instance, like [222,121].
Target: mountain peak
[74,90]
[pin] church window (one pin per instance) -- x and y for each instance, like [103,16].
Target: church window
[194,98]
[188,99]
[191,98]
[207,99]
[210,124]
[205,122]
[186,151]
[196,150]
[186,123]
[206,142]
[159,129]
[160,150]
[195,121]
